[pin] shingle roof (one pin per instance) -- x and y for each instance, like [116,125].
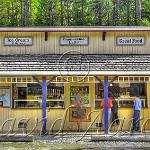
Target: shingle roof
[76,62]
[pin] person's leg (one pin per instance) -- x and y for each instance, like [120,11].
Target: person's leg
[109,116]
[134,121]
[78,124]
[113,118]
[79,119]
[138,120]
[103,120]
[117,119]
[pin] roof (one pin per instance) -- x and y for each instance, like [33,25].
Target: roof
[75,64]
[76,29]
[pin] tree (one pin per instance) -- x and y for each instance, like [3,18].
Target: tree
[74,12]
[138,9]
[115,12]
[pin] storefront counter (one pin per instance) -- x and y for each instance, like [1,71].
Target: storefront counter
[38,103]
[122,102]
[128,103]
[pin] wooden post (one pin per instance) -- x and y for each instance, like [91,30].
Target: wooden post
[106,121]
[44,87]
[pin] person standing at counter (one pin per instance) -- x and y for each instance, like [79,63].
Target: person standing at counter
[109,107]
[114,110]
[136,115]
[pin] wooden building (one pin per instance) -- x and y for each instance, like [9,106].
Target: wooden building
[40,69]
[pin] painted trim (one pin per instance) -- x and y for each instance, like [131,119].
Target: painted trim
[76,29]
[31,73]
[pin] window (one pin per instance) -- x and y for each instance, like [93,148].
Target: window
[56,96]
[30,95]
[123,93]
[84,96]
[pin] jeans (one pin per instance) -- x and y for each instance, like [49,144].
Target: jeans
[115,118]
[136,120]
[109,116]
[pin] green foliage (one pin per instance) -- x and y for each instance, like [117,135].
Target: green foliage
[73,13]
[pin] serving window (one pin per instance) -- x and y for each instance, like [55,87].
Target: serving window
[123,92]
[30,95]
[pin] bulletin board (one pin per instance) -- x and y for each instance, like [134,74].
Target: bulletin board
[5,96]
[73,114]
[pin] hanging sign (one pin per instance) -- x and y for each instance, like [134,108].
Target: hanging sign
[130,40]
[74,40]
[21,85]
[124,85]
[18,41]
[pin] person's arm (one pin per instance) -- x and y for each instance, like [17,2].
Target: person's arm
[134,102]
[111,104]
[102,103]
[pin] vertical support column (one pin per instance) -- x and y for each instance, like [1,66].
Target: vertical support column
[44,87]
[106,122]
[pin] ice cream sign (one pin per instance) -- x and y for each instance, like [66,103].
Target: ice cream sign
[18,41]
[130,40]
[74,40]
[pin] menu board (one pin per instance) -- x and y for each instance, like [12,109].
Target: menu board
[34,89]
[138,89]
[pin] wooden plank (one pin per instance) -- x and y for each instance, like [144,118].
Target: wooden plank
[96,44]
[127,138]
[16,138]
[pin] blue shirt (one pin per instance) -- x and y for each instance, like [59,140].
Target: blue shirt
[137,104]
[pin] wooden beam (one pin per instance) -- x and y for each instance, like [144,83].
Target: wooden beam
[46,36]
[103,36]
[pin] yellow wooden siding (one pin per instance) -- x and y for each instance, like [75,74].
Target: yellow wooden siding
[53,114]
[96,44]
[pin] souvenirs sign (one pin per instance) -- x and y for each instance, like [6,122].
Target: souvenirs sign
[130,40]
[18,41]
[74,40]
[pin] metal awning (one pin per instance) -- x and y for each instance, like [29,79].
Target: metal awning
[76,29]
[82,64]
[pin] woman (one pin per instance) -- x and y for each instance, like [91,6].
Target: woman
[79,110]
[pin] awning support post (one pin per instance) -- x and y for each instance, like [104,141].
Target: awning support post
[106,121]
[44,87]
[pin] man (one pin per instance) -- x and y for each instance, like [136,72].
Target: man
[114,111]
[136,115]
[109,107]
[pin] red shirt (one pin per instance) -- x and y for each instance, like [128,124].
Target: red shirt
[109,103]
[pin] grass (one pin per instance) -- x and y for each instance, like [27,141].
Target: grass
[42,145]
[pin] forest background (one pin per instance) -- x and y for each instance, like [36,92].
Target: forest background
[15,13]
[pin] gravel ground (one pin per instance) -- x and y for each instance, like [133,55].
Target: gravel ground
[69,142]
